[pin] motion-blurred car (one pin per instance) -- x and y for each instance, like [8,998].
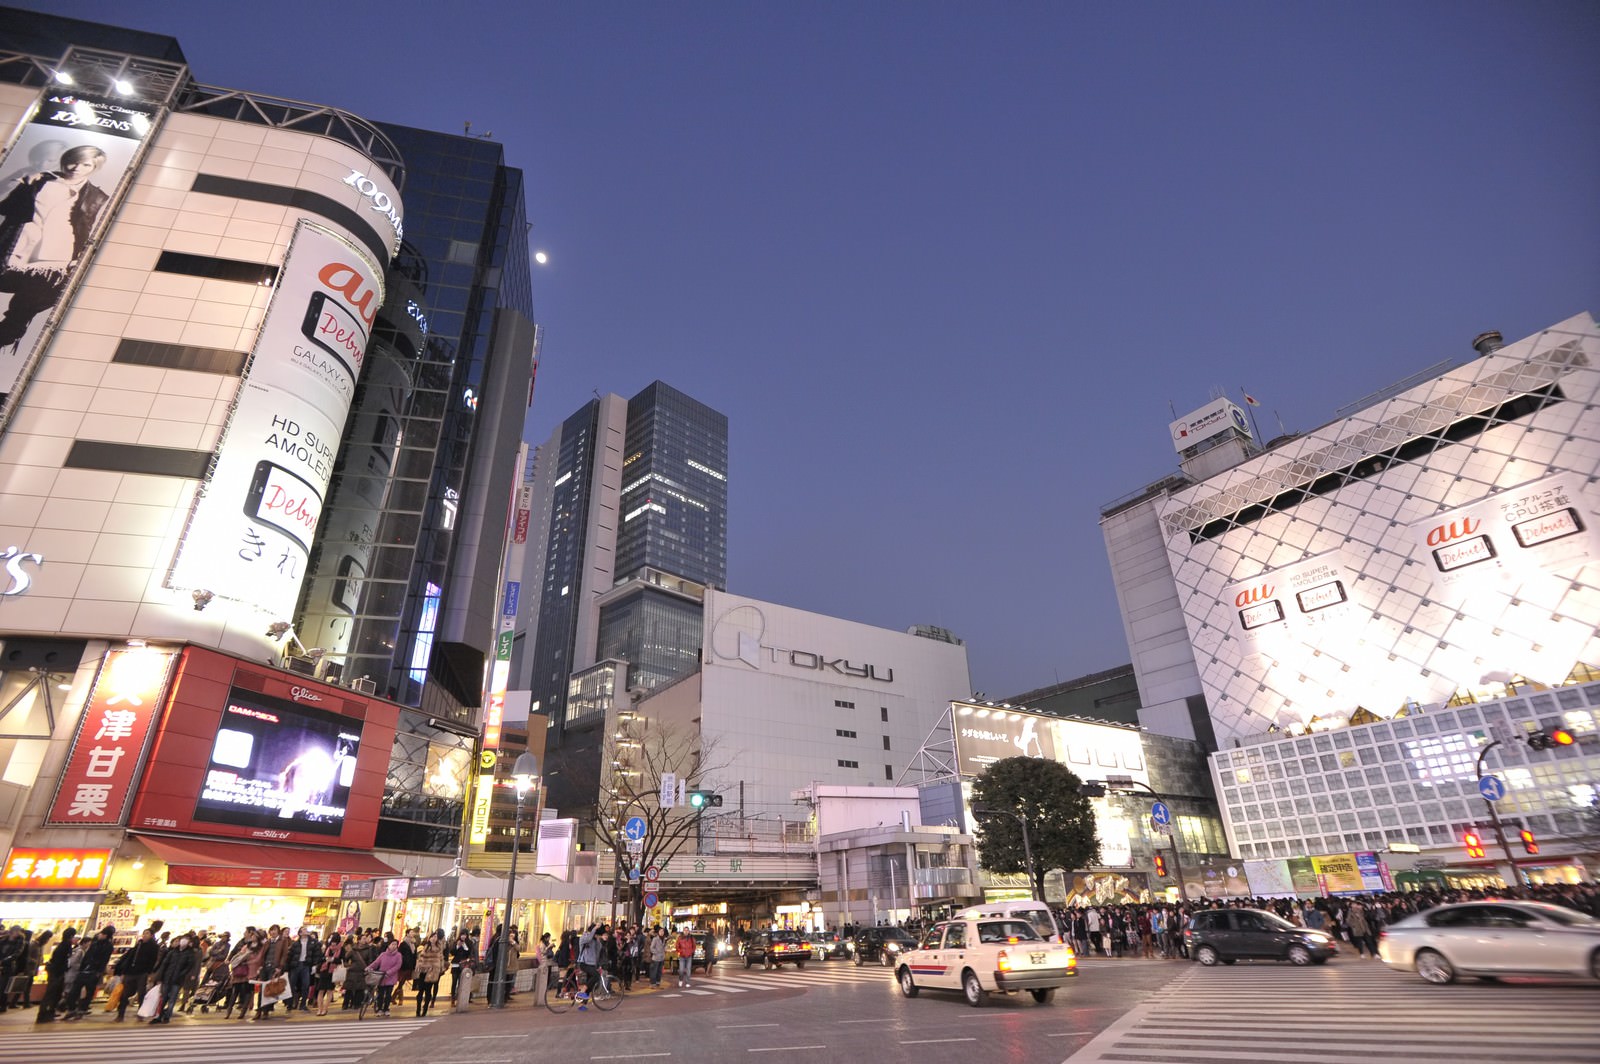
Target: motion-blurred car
[881,945]
[1227,935]
[986,956]
[772,948]
[825,945]
[1490,939]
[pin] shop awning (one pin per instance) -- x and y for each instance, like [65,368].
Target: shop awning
[217,863]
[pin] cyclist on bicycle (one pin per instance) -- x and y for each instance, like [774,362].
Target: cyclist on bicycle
[589,948]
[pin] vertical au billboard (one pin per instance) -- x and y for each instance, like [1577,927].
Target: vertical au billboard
[257,514]
[56,184]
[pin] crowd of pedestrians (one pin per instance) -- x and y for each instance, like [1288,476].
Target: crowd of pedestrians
[1156,929]
[253,977]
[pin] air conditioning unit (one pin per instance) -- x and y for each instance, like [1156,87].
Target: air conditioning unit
[303,665]
[365,685]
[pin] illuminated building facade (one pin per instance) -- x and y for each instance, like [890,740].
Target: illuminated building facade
[1361,609]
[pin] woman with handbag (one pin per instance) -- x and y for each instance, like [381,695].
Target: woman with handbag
[330,973]
[244,967]
[430,969]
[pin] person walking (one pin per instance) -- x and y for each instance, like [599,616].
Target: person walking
[56,975]
[685,951]
[658,955]
[274,962]
[243,966]
[332,958]
[388,963]
[135,966]
[181,963]
[460,957]
[305,954]
[1361,936]
[430,969]
[92,966]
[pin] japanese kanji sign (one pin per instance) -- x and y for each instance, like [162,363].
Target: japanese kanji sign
[103,768]
[32,869]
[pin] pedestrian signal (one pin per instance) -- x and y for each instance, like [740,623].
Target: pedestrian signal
[1529,843]
[1474,844]
[1161,866]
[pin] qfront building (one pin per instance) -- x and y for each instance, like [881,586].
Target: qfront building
[1371,616]
[252,485]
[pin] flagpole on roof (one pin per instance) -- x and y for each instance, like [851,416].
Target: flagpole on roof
[1250,404]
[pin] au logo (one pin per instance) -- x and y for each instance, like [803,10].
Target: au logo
[486,761]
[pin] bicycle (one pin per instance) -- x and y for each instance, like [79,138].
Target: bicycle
[562,994]
[369,992]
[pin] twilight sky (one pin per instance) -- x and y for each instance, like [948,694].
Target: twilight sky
[946,265]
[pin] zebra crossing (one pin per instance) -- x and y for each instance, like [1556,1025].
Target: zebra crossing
[1346,1010]
[321,1042]
[731,979]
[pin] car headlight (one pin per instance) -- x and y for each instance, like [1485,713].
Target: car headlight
[893,947]
[1318,936]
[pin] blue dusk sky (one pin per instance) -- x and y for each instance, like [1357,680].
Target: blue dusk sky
[949,267]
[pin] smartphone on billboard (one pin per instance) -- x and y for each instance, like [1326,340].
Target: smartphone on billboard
[283,500]
[347,587]
[332,327]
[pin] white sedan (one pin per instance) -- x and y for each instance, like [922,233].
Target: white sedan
[1489,939]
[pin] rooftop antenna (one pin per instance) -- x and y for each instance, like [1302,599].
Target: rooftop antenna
[466,131]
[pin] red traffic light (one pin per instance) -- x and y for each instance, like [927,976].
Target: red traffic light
[1550,737]
[1474,844]
[1529,843]
[1161,866]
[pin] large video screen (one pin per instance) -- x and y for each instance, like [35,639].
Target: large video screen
[277,764]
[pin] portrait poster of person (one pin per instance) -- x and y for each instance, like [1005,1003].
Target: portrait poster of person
[56,184]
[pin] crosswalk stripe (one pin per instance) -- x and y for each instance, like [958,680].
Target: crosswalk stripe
[700,993]
[325,1042]
[1253,1014]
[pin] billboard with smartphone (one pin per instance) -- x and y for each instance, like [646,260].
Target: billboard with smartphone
[258,514]
[57,184]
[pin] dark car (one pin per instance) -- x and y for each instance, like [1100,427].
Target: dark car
[826,945]
[705,949]
[1228,935]
[772,948]
[881,945]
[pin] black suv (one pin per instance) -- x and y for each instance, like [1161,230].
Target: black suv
[773,948]
[1227,935]
[882,944]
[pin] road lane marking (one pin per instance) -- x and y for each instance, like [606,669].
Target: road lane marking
[931,1041]
[782,1049]
[625,1030]
[631,1056]
[737,1026]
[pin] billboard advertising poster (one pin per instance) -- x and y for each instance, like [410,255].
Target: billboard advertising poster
[98,781]
[1497,543]
[1304,877]
[56,185]
[258,513]
[985,735]
[277,764]
[1213,419]
[1269,879]
[1339,873]
[1372,869]
[1298,603]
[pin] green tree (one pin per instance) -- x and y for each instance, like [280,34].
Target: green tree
[1060,820]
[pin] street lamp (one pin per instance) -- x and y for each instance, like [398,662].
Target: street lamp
[1027,848]
[1098,788]
[523,773]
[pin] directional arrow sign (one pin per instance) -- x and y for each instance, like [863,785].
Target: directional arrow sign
[634,828]
[1161,814]
[1493,788]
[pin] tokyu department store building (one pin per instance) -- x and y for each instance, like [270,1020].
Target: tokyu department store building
[1369,615]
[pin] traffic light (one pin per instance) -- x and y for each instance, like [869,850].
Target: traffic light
[1474,844]
[704,799]
[1529,843]
[1550,738]
[1161,866]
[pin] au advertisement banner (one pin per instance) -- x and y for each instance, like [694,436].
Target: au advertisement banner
[56,184]
[1292,604]
[257,516]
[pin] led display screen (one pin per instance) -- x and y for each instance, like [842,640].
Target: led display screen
[276,764]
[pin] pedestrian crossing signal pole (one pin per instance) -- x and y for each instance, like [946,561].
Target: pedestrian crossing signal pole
[1494,816]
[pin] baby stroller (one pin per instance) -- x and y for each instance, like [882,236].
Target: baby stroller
[212,983]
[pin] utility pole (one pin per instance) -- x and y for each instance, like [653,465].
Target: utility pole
[1494,817]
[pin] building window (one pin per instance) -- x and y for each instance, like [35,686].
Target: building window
[888,773]
[844,734]
[849,764]
[843,705]
[886,742]
[883,713]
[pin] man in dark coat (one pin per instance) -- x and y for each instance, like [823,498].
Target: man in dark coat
[135,966]
[95,958]
[55,971]
[181,963]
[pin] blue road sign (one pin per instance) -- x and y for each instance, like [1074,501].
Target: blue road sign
[1493,788]
[633,875]
[634,828]
[1161,814]
[650,901]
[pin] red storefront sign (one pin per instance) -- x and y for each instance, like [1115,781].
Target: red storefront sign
[98,783]
[54,869]
[205,876]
